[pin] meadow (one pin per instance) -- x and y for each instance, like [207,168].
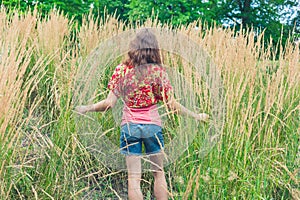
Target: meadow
[256,156]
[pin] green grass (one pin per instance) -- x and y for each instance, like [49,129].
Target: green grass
[42,155]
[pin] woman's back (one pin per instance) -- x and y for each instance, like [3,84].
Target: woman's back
[140,86]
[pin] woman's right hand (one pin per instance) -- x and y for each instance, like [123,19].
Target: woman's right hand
[202,117]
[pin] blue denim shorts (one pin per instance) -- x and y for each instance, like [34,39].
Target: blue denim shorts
[133,136]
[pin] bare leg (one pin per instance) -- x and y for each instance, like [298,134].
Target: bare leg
[134,177]
[160,184]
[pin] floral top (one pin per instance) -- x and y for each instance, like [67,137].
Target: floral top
[141,86]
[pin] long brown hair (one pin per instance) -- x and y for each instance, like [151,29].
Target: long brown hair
[143,49]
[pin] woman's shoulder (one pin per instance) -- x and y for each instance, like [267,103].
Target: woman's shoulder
[122,66]
[119,67]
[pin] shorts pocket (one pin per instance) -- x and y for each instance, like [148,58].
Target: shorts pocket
[154,144]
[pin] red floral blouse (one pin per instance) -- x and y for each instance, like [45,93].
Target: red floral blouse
[141,86]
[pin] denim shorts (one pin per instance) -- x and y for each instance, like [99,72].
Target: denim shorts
[133,136]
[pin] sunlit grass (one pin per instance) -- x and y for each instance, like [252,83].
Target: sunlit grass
[42,156]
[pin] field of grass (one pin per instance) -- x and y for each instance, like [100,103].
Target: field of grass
[42,155]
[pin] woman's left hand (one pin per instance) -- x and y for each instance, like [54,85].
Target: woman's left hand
[81,109]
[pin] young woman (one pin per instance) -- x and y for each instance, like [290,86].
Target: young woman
[141,82]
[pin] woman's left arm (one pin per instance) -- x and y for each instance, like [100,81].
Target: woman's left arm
[101,106]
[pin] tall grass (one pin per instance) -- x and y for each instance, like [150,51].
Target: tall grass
[42,156]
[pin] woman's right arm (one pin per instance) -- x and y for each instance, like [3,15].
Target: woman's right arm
[180,109]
